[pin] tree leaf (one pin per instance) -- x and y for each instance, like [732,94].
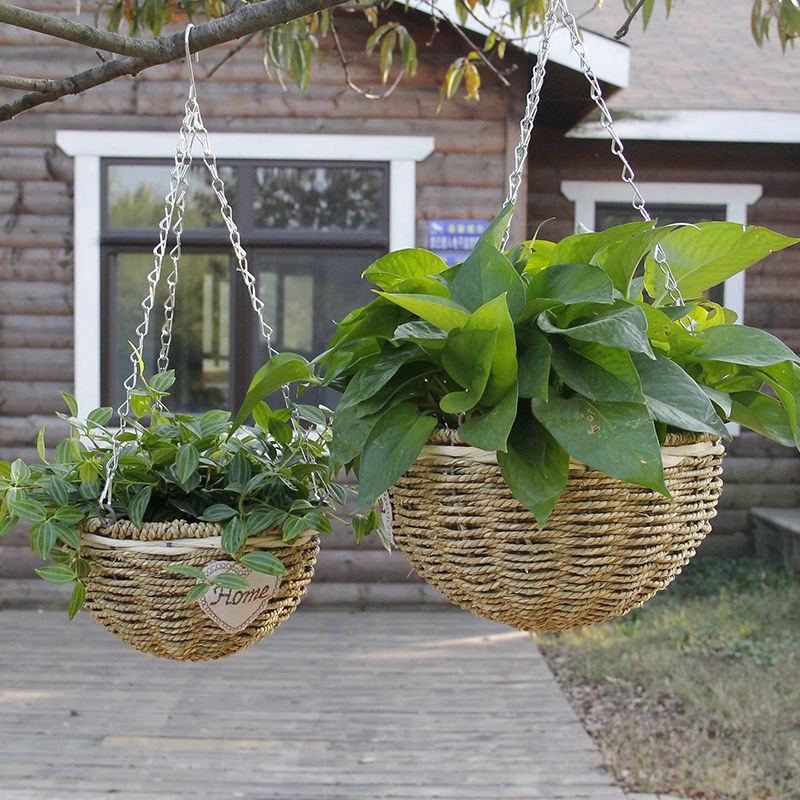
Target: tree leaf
[393,445]
[675,398]
[618,439]
[701,256]
[739,344]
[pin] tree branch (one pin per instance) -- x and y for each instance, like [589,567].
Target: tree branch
[245,20]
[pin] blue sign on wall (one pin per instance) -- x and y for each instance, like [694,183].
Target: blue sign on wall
[453,239]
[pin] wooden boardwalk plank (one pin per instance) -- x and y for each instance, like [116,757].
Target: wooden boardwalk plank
[333,706]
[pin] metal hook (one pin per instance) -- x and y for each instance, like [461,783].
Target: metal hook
[189,52]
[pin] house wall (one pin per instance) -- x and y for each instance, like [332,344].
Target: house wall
[464,178]
[757,472]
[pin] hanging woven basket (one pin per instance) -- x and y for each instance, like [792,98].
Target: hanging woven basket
[132,594]
[607,547]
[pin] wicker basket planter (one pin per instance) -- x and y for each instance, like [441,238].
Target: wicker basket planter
[130,592]
[607,547]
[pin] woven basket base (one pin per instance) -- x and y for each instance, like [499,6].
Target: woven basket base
[607,547]
[133,596]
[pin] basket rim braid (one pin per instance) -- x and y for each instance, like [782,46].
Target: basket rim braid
[607,547]
[132,594]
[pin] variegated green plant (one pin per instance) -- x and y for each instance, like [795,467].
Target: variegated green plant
[210,467]
[557,349]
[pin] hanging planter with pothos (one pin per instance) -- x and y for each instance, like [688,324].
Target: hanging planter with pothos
[548,420]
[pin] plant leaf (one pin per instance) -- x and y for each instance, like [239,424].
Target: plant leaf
[701,256]
[618,439]
[533,363]
[440,311]
[598,372]
[739,344]
[489,431]
[139,504]
[622,326]
[262,561]
[77,599]
[56,573]
[230,580]
[467,357]
[393,445]
[187,460]
[233,535]
[762,414]
[572,283]
[394,268]
[219,512]
[281,370]
[675,398]
[188,570]
[485,275]
[535,467]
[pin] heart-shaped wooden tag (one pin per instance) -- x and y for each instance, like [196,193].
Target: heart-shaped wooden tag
[234,609]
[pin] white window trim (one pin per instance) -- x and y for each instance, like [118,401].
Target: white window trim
[88,147]
[736,197]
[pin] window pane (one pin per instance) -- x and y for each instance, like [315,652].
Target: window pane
[305,295]
[320,198]
[200,347]
[136,195]
[609,214]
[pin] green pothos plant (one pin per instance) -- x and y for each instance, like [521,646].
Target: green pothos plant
[211,467]
[575,348]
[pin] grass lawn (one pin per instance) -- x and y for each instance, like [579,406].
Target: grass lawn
[696,694]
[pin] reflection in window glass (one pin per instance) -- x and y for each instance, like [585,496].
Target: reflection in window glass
[200,347]
[319,198]
[609,214]
[136,195]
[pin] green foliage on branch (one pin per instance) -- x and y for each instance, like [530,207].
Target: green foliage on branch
[292,48]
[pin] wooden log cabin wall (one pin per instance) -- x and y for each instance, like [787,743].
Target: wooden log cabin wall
[464,177]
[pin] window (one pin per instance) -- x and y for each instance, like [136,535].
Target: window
[312,216]
[309,231]
[599,205]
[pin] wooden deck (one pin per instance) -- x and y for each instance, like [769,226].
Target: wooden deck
[333,706]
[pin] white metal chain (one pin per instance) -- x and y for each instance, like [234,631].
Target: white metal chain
[192,130]
[607,122]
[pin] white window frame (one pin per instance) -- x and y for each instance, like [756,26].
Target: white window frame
[88,147]
[736,197]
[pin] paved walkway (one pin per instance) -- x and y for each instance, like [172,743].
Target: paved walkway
[335,705]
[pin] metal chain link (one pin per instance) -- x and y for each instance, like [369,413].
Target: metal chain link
[607,122]
[192,129]
[531,107]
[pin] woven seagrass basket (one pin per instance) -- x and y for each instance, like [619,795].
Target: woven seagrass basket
[132,594]
[607,547]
